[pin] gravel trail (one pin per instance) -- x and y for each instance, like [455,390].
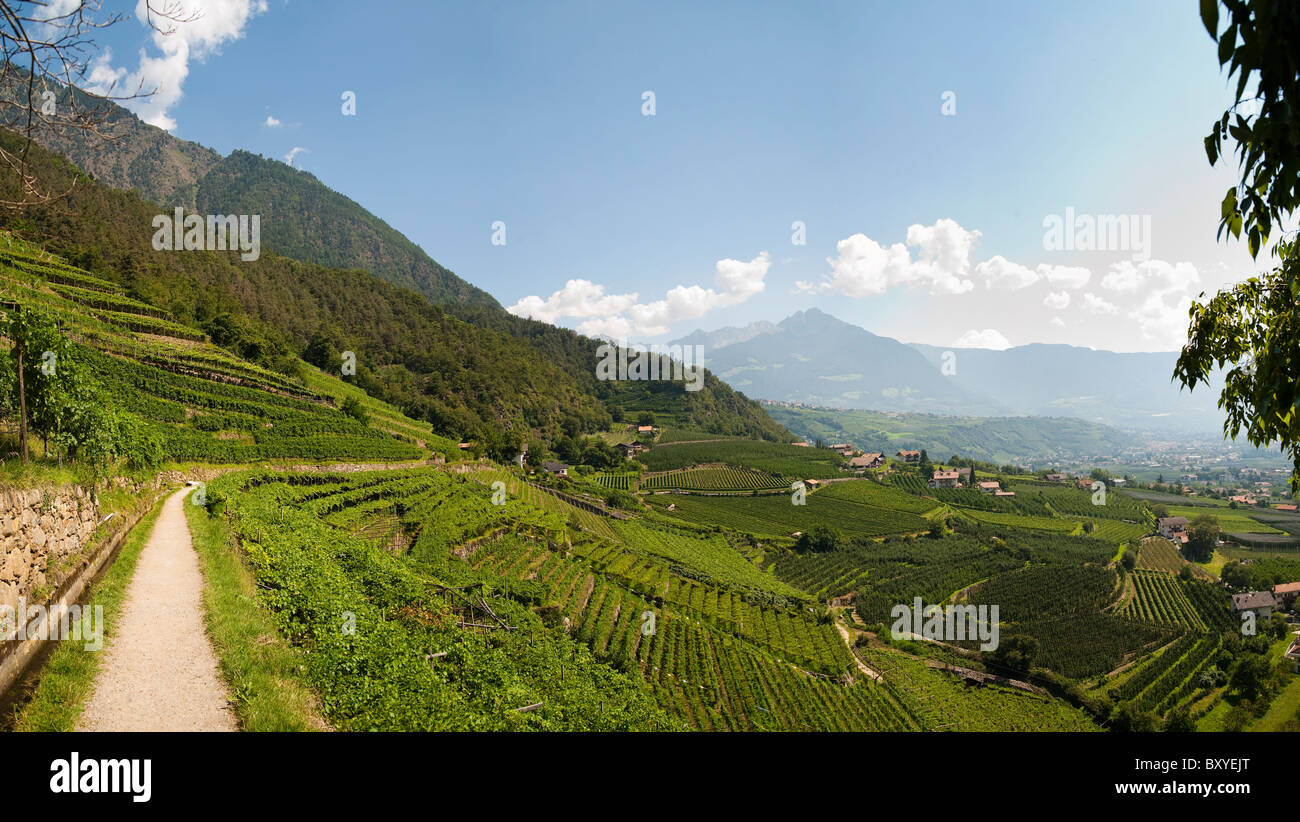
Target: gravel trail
[159,671]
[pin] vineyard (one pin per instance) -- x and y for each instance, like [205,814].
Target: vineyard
[769,457]
[199,402]
[777,516]
[710,478]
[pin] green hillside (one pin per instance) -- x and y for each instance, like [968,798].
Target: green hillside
[467,382]
[992,439]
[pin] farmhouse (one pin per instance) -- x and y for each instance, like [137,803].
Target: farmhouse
[989,487]
[1293,653]
[1057,478]
[909,456]
[843,449]
[944,479]
[874,460]
[1290,508]
[804,444]
[1174,528]
[558,469]
[1001,493]
[1286,592]
[630,449]
[646,429]
[1261,603]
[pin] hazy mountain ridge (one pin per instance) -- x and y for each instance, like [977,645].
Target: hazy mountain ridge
[816,359]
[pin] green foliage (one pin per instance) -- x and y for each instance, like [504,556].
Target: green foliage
[1253,325]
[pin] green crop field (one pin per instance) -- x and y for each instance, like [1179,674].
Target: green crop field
[778,516]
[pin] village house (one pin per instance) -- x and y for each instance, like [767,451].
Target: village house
[812,484]
[804,444]
[630,449]
[1057,477]
[1261,603]
[1290,508]
[1000,493]
[1293,653]
[1285,593]
[843,449]
[989,487]
[1174,528]
[558,469]
[964,475]
[646,429]
[874,460]
[944,479]
[909,457]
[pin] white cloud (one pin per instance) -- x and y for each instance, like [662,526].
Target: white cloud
[1156,275]
[1096,305]
[943,265]
[1065,276]
[1161,292]
[999,272]
[1058,322]
[1057,300]
[988,338]
[200,28]
[293,152]
[578,298]
[271,122]
[618,315]
[864,267]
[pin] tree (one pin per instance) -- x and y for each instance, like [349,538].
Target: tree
[1253,325]
[1128,559]
[1202,539]
[354,409]
[645,418]
[1249,677]
[46,49]
[1016,652]
[1180,721]
[818,538]
[32,334]
[1160,511]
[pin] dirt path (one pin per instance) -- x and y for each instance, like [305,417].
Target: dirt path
[862,666]
[159,672]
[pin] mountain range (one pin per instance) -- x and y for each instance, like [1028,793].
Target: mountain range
[814,358]
[331,278]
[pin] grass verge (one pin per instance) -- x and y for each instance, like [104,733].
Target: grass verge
[265,676]
[68,677]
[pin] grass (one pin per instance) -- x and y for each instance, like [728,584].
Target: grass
[68,678]
[1282,714]
[265,676]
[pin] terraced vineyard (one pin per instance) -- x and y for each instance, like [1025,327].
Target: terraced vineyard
[617,481]
[196,401]
[715,478]
[728,647]
[770,457]
[777,516]
[1155,596]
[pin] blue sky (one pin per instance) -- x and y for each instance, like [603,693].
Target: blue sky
[765,114]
